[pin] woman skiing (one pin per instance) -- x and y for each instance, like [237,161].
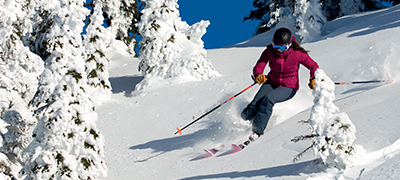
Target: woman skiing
[284,56]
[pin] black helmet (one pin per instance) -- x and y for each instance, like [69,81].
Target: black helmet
[282,36]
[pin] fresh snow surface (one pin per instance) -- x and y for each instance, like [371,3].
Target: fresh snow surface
[139,127]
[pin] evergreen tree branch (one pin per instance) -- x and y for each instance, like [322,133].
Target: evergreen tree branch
[300,155]
[300,138]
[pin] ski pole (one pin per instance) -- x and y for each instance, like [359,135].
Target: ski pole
[180,130]
[364,82]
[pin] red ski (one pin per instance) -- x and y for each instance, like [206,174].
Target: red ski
[211,151]
[240,147]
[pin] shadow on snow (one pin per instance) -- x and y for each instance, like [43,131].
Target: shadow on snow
[176,142]
[381,20]
[306,167]
[125,84]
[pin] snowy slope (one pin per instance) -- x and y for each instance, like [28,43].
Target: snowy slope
[139,127]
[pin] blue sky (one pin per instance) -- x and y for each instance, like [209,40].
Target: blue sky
[226,18]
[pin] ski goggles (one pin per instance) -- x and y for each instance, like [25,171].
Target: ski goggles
[281,47]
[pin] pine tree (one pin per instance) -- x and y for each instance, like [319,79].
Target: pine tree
[96,40]
[37,40]
[333,133]
[303,17]
[66,144]
[122,18]
[261,13]
[272,12]
[19,69]
[393,2]
[170,48]
[309,19]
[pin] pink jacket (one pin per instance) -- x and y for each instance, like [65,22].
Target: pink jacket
[284,68]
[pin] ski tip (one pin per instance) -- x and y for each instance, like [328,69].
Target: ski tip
[178,131]
[237,147]
[210,151]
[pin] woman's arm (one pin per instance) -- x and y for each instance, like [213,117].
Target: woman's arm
[310,64]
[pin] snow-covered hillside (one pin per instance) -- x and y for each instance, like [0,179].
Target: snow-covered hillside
[139,127]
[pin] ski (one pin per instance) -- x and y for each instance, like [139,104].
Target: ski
[214,150]
[235,147]
[241,146]
[211,151]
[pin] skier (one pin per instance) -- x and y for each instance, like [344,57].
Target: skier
[284,56]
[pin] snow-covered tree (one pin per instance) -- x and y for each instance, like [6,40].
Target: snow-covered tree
[121,18]
[96,40]
[37,40]
[261,14]
[333,9]
[170,48]
[393,2]
[67,143]
[19,69]
[5,171]
[304,17]
[309,19]
[272,12]
[333,132]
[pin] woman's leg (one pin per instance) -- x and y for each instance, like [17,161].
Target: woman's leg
[264,111]
[250,111]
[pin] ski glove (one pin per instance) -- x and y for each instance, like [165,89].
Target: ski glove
[312,83]
[261,78]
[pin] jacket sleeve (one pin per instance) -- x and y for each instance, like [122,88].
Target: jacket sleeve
[310,64]
[261,63]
